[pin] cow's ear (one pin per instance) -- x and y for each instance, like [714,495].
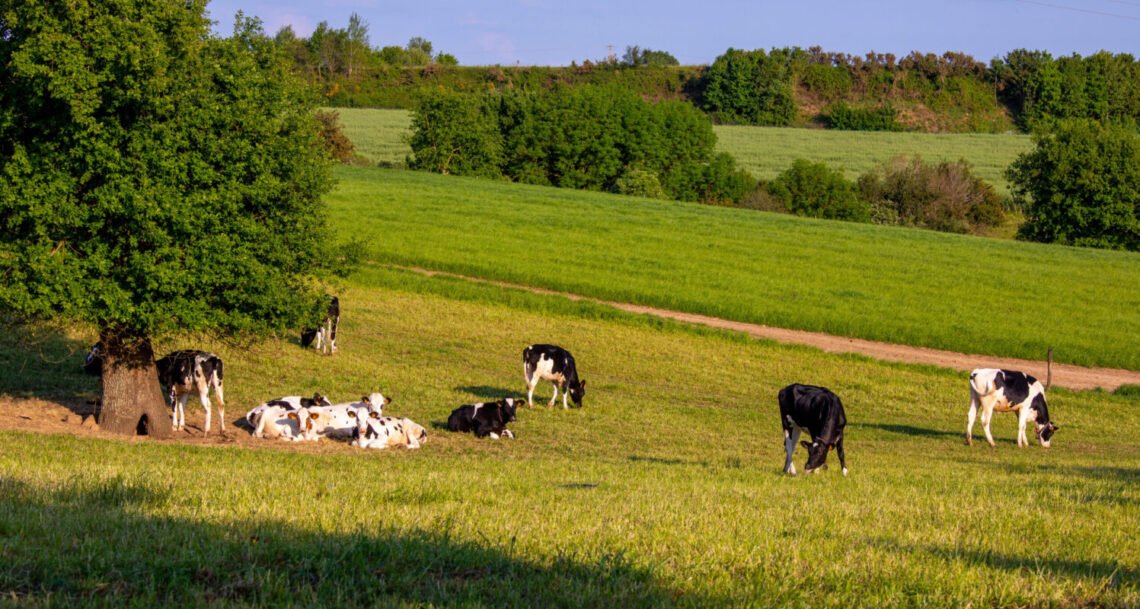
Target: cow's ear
[366,400]
[387,400]
[1054,426]
[582,384]
[805,444]
[374,415]
[292,415]
[351,414]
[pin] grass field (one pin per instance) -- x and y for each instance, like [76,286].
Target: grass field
[762,151]
[664,490]
[905,286]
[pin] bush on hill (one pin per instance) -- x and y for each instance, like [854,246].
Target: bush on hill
[840,115]
[945,197]
[1081,186]
[812,189]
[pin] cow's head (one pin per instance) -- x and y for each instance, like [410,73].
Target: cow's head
[817,455]
[1039,410]
[321,400]
[93,363]
[305,423]
[376,401]
[577,392]
[508,408]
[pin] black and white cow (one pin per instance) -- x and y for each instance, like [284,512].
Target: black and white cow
[819,412]
[380,432]
[324,337]
[1005,391]
[485,418]
[187,371]
[93,363]
[289,402]
[554,364]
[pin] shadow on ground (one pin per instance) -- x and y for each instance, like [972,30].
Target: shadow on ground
[97,544]
[42,363]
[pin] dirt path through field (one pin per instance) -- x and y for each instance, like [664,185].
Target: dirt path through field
[1064,375]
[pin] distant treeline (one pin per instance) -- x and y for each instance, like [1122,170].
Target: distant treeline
[788,86]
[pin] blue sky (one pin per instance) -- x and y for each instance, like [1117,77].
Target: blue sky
[556,32]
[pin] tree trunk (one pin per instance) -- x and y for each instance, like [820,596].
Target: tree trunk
[133,403]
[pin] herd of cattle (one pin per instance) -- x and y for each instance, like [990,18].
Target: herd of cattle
[803,408]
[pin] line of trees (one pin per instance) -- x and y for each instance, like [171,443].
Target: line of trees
[593,138]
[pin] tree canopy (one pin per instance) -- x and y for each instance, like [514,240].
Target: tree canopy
[154,178]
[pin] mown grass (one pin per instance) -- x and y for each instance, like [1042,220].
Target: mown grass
[767,151]
[762,151]
[664,490]
[898,285]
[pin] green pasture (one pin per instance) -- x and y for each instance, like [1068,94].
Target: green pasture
[762,151]
[898,285]
[664,490]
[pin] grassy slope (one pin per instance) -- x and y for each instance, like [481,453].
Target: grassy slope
[665,489]
[763,151]
[914,287]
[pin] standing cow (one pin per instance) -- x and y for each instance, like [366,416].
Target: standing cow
[819,412]
[1007,391]
[183,372]
[554,364]
[323,339]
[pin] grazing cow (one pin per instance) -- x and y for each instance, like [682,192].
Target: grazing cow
[819,412]
[485,418]
[289,402]
[324,337]
[554,364]
[1006,391]
[380,432]
[340,421]
[183,372]
[280,422]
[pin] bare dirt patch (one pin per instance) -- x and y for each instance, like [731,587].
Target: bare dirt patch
[1064,375]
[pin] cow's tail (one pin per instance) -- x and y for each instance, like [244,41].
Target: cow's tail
[528,368]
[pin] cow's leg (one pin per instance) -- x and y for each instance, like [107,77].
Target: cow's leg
[530,384]
[791,436]
[987,416]
[204,397]
[1022,419]
[842,458]
[564,405]
[180,410]
[971,416]
[554,397]
[221,404]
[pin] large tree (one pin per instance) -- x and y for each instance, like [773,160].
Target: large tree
[154,180]
[1081,185]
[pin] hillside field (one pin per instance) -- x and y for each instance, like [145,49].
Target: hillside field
[664,490]
[762,151]
[954,292]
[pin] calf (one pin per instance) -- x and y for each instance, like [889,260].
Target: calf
[485,418]
[554,364]
[1007,391]
[819,412]
[324,337]
[340,421]
[280,422]
[183,372]
[93,363]
[380,432]
[289,402]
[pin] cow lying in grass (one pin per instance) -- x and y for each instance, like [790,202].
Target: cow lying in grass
[1008,391]
[340,421]
[282,423]
[486,419]
[289,402]
[380,432]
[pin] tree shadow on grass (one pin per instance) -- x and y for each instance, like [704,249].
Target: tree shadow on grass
[1095,570]
[37,362]
[98,544]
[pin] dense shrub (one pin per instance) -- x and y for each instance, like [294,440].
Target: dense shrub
[751,87]
[945,197]
[593,138]
[843,116]
[812,189]
[338,145]
[1081,186]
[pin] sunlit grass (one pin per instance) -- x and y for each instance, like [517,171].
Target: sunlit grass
[665,489]
[916,287]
